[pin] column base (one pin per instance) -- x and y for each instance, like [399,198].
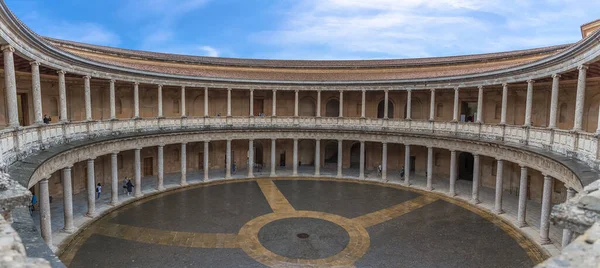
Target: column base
[475,201]
[114,204]
[183,183]
[451,194]
[522,224]
[498,211]
[138,195]
[317,175]
[429,188]
[160,188]
[272,175]
[545,241]
[90,215]
[68,230]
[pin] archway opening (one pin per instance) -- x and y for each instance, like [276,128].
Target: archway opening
[331,154]
[258,153]
[381,109]
[332,109]
[306,153]
[355,155]
[465,166]
[307,107]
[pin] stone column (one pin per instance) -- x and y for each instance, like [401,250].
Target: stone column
[480,105]
[598,128]
[113,113]
[429,169]
[273,161]
[568,234]
[529,103]
[114,182]
[274,103]
[62,96]
[453,173]
[10,86]
[182,102]
[36,89]
[455,114]
[319,103]
[384,161]
[361,165]
[499,178]
[296,103]
[363,109]
[183,162]
[251,102]
[406,164]
[409,104]
[504,103]
[432,105]
[476,177]
[295,159]
[206,159]
[138,172]
[45,221]
[341,103]
[206,102]
[161,168]
[229,102]
[250,158]
[340,158]
[317,157]
[160,102]
[385,104]
[522,209]
[136,100]
[554,100]
[67,200]
[91,189]
[87,95]
[228,160]
[546,206]
[580,99]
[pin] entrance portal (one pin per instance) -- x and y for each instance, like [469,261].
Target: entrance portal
[465,166]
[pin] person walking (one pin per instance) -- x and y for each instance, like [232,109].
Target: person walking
[129,187]
[33,202]
[98,190]
[402,173]
[379,168]
[233,168]
[125,185]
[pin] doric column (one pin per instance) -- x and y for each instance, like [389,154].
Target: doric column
[432,105]
[206,102]
[114,182]
[480,105]
[340,159]
[429,169]
[407,164]
[361,165]
[138,172]
[295,159]
[453,173]
[183,162]
[274,102]
[67,200]
[476,177]
[504,103]
[45,221]
[228,160]
[229,102]
[580,99]
[529,103]
[409,104]
[455,114]
[251,158]
[251,102]
[546,205]
[160,102]
[36,89]
[499,178]
[206,158]
[318,103]
[273,164]
[363,108]
[384,161]
[182,102]
[522,209]
[317,157]
[136,100]
[296,103]
[568,234]
[91,189]
[87,95]
[554,100]
[10,86]
[341,103]
[113,114]
[385,104]
[161,168]
[62,95]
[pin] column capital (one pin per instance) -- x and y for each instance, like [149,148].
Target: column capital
[91,159]
[384,142]
[556,76]
[480,87]
[523,167]
[136,83]
[456,88]
[251,90]
[582,67]
[115,153]
[296,90]
[44,180]
[138,149]
[183,87]
[184,143]
[160,86]
[432,89]
[504,84]
[273,139]
[112,81]
[61,72]
[386,90]
[319,90]
[274,90]
[68,168]
[341,91]
[340,140]
[547,177]
[499,160]
[530,81]
[363,90]
[228,89]
[36,63]
[252,140]
[7,48]
[317,139]
[160,145]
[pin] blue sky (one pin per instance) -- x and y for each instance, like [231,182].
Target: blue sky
[312,29]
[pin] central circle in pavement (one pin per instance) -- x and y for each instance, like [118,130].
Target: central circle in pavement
[290,238]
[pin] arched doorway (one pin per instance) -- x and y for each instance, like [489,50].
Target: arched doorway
[355,155]
[306,107]
[332,109]
[381,109]
[306,152]
[331,154]
[258,153]
[465,166]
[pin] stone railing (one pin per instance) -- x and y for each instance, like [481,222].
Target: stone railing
[19,143]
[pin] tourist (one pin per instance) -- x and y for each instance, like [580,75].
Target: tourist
[129,187]
[125,185]
[402,172]
[47,119]
[379,168]
[98,190]
[233,168]
[33,202]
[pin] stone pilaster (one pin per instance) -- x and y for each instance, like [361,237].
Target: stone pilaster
[480,104]
[318,103]
[363,107]
[160,102]
[476,179]
[10,86]
[91,189]
[182,102]
[274,103]
[67,200]
[206,102]
[499,185]
[385,104]
[36,89]
[229,102]
[251,102]
[341,104]
[580,99]
[296,103]
[522,209]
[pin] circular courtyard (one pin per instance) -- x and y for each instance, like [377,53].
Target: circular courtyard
[297,223]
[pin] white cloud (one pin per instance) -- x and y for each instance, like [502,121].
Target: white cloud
[210,51]
[84,32]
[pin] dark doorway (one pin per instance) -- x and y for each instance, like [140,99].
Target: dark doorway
[148,166]
[332,109]
[282,159]
[258,153]
[23,109]
[411,164]
[355,155]
[465,166]
[258,107]
[381,109]
[468,112]
[331,153]
[201,161]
